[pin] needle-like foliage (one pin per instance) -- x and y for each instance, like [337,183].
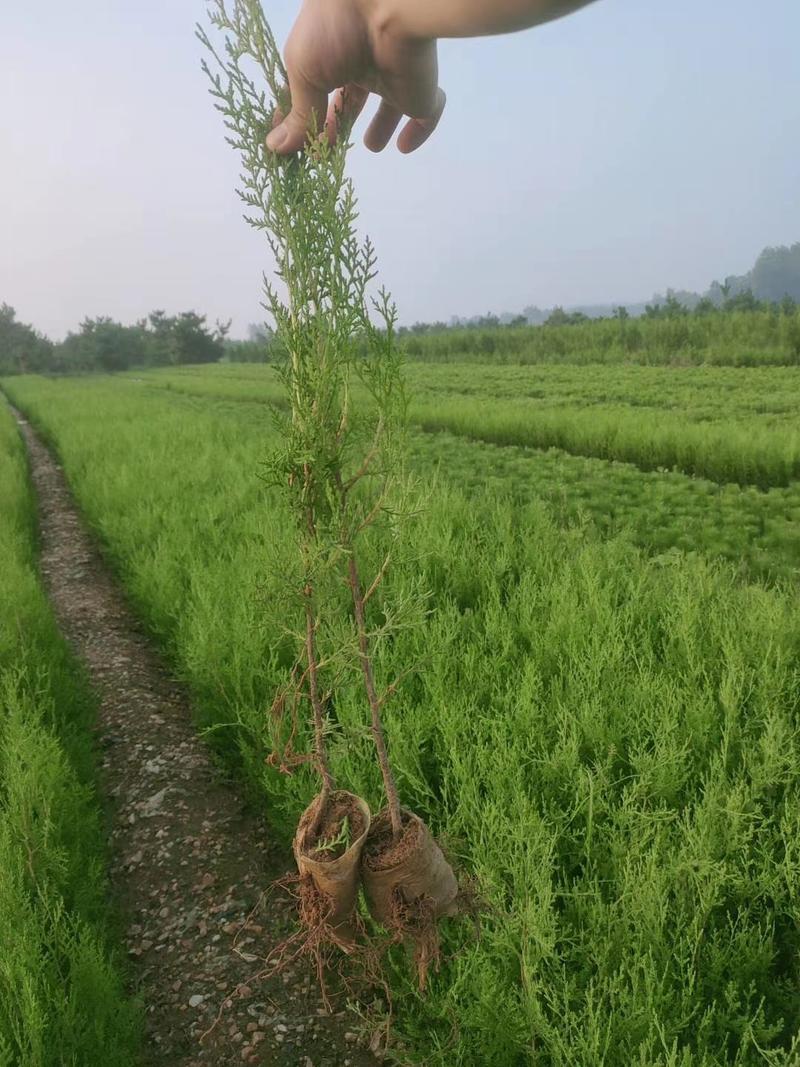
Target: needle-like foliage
[339,465]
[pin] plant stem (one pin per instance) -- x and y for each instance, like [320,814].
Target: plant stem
[392,799]
[320,752]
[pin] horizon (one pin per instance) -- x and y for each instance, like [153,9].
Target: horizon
[583,192]
[448,320]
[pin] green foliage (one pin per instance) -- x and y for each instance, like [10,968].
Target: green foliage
[739,451]
[161,340]
[61,994]
[22,349]
[662,510]
[559,317]
[104,345]
[728,425]
[339,842]
[607,737]
[746,334]
[183,338]
[338,465]
[775,276]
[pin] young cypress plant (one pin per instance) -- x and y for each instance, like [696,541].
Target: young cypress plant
[340,468]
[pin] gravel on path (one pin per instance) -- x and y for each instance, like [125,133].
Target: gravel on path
[189,864]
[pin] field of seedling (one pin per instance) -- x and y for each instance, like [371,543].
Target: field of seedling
[503,648]
[601,719]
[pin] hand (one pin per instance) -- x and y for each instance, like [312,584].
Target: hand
[338,46]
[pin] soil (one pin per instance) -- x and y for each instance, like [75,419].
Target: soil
[381,851]
[190,867]
[340,806]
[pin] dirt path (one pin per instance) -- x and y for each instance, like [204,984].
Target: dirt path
[188,864]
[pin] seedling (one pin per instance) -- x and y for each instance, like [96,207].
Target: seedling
[340,465]
[339,842]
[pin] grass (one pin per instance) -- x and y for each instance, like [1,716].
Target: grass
[765,338]
[660,511]
[757,530]
[62,999]
[728,426]
[698,393]
[607,737]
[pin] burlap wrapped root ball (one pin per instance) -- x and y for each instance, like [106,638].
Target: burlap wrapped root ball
[334,875]
[406,872]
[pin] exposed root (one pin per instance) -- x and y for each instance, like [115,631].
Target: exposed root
[346,974]
[416,923]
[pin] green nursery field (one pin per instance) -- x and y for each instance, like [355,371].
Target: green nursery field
[728,425]
[733,424]
[61,994]
[605,723]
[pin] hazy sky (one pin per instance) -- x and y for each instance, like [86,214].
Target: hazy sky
[636,145]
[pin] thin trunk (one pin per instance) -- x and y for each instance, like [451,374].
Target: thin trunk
[392,798]
[320,752]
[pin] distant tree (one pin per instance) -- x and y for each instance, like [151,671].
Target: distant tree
[621,314]
[559,317]
[488,321]
[672,308]
[715,294]
[258,331]
[743,301]
[22,349]
[185,338]
[102,344]
[776,274]
[534,315]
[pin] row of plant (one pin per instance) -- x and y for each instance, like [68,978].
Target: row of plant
[721,338]
[756,531]
[760,337]
[754,448]
[699,393]
[62,999]
[743,451]
[661,510]
[607,740]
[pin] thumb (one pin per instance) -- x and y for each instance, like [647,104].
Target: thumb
[309,110]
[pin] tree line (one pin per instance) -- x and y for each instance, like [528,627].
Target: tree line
[775,276]
[104,345]
[751,318]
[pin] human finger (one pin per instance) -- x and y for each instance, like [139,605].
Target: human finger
[345,107]
[417,131]
[379,132]
[309,108]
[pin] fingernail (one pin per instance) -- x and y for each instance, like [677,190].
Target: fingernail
[277,139]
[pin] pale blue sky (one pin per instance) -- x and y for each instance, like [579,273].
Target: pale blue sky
[636,145]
